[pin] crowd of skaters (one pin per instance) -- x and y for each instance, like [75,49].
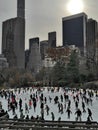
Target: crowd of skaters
[62,101]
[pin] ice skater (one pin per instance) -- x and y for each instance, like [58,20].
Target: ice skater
[52,116]
[68,112]
[79,114]
[47,109]
[83,106]
[26,108]
[89,114]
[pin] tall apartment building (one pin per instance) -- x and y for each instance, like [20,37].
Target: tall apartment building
[21,8]
[74,31]
[13,38]
[52,39]
[34,63]
[92,31]
[92,43]
[43,48]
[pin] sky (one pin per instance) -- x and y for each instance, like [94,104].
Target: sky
[44,16]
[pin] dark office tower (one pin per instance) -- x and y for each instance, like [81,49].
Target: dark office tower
[21,8]
[43,48]
[74,30]
[13,41]
[34,63]
[52,39]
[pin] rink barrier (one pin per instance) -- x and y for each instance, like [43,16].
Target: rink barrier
[20,124]
[3,117]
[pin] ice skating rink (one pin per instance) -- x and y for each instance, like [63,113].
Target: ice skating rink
[24,94]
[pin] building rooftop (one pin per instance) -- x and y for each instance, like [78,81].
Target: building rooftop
[74,16]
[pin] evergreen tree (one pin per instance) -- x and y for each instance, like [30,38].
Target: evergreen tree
[73,67]
[58,72]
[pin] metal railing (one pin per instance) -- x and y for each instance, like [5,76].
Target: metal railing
[21,124]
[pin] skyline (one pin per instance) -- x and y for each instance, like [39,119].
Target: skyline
[40,19]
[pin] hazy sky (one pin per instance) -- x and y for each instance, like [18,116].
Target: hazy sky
[43,16]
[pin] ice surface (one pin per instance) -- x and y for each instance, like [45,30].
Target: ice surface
[25,96]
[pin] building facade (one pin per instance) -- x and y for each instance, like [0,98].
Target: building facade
[27,53]
[21,8]
[91,44]
[3,62]
[92,30]
[52,39]
[13,38]
[43,48]
[34,64]
[74,31]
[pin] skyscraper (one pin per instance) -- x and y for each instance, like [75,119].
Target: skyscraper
[92,43]
[27,53]
[13,38]
[34,63]
[21,8]
[52,39]
[74,30]
[92,31]
[43,48]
